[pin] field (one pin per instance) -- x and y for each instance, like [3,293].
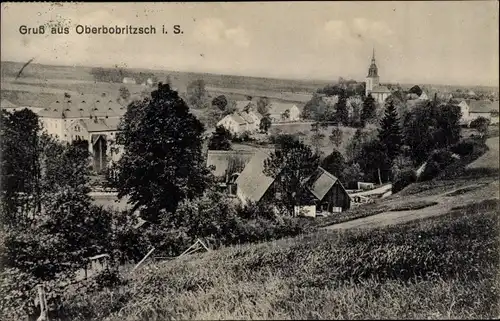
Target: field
[445,267]
[60,79]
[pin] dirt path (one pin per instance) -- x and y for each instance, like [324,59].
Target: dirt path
[490,158]
[473,193]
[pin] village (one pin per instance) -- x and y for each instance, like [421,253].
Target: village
[247,166]
[94,119]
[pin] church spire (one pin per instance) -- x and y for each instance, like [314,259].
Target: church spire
[373,70]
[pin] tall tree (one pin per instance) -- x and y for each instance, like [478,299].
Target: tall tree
[263,105]
[20,172]
[369,110]
[293,162]
[334,164]
[342,114]
[390,133]
[336,136]
[162,163]
[265,123]
[196,94]
[448,125]
[220,139]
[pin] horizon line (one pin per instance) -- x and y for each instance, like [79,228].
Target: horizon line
[254,76]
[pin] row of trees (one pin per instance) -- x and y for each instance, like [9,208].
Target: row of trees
[353,112]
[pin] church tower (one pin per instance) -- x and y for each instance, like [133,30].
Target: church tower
[372,79]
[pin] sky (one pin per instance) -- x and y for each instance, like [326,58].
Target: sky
[434,42]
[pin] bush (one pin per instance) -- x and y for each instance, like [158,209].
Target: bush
[403,179]
[471,147]
[437,162]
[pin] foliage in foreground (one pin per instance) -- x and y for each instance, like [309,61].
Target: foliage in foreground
[443,267]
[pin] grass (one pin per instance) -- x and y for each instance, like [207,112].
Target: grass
[445,267]
[413,206]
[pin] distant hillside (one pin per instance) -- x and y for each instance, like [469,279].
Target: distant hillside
[179,79]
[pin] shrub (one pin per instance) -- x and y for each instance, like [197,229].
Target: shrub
[403,179]
[437,162]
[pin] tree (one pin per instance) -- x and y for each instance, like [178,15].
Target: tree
[336,136]
[481,124]
[447,125]
[369,110]
[314,108]
[317,136]
[390,132]
[220,102]
[352,174]
[355,144]
[19,178]
[124,93]
[263,105]
[415,90]
[342,114]
[220,140]
[162,163]
[334,164]
[197,94]
[374,162]
[265,123]
[285,115]
[418,131]
[293,162]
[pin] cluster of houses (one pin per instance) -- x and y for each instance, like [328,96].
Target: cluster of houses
[240,173]
[246,118]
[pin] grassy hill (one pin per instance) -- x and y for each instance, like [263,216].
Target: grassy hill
[445,267]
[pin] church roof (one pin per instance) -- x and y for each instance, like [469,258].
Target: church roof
[380,89]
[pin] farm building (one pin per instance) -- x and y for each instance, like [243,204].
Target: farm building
[238,122]
[281,112]
[59,115]
[483,108]
[328,194]
[321,190]
[99,134]
[227,165]
[464,109]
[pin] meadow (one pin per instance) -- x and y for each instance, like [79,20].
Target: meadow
[445,267]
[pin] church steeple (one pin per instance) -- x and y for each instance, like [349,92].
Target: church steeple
[373,70]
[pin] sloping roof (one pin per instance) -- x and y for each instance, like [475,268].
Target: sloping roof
[7,104]
[221,159]
[482,106]
[320,183]
[380,89]
[252,183]
[83,106]
[241,104]
[276,108]
[101,125]
[237,118]
[246,117]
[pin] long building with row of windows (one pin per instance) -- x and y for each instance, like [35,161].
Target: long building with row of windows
[90,118]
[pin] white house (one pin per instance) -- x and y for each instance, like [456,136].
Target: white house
[280,112]
[129,80]
[238,122]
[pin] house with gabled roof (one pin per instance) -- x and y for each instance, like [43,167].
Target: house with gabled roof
[321,189]
[280,112]
[326,192]
[241,121]
[483,108]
